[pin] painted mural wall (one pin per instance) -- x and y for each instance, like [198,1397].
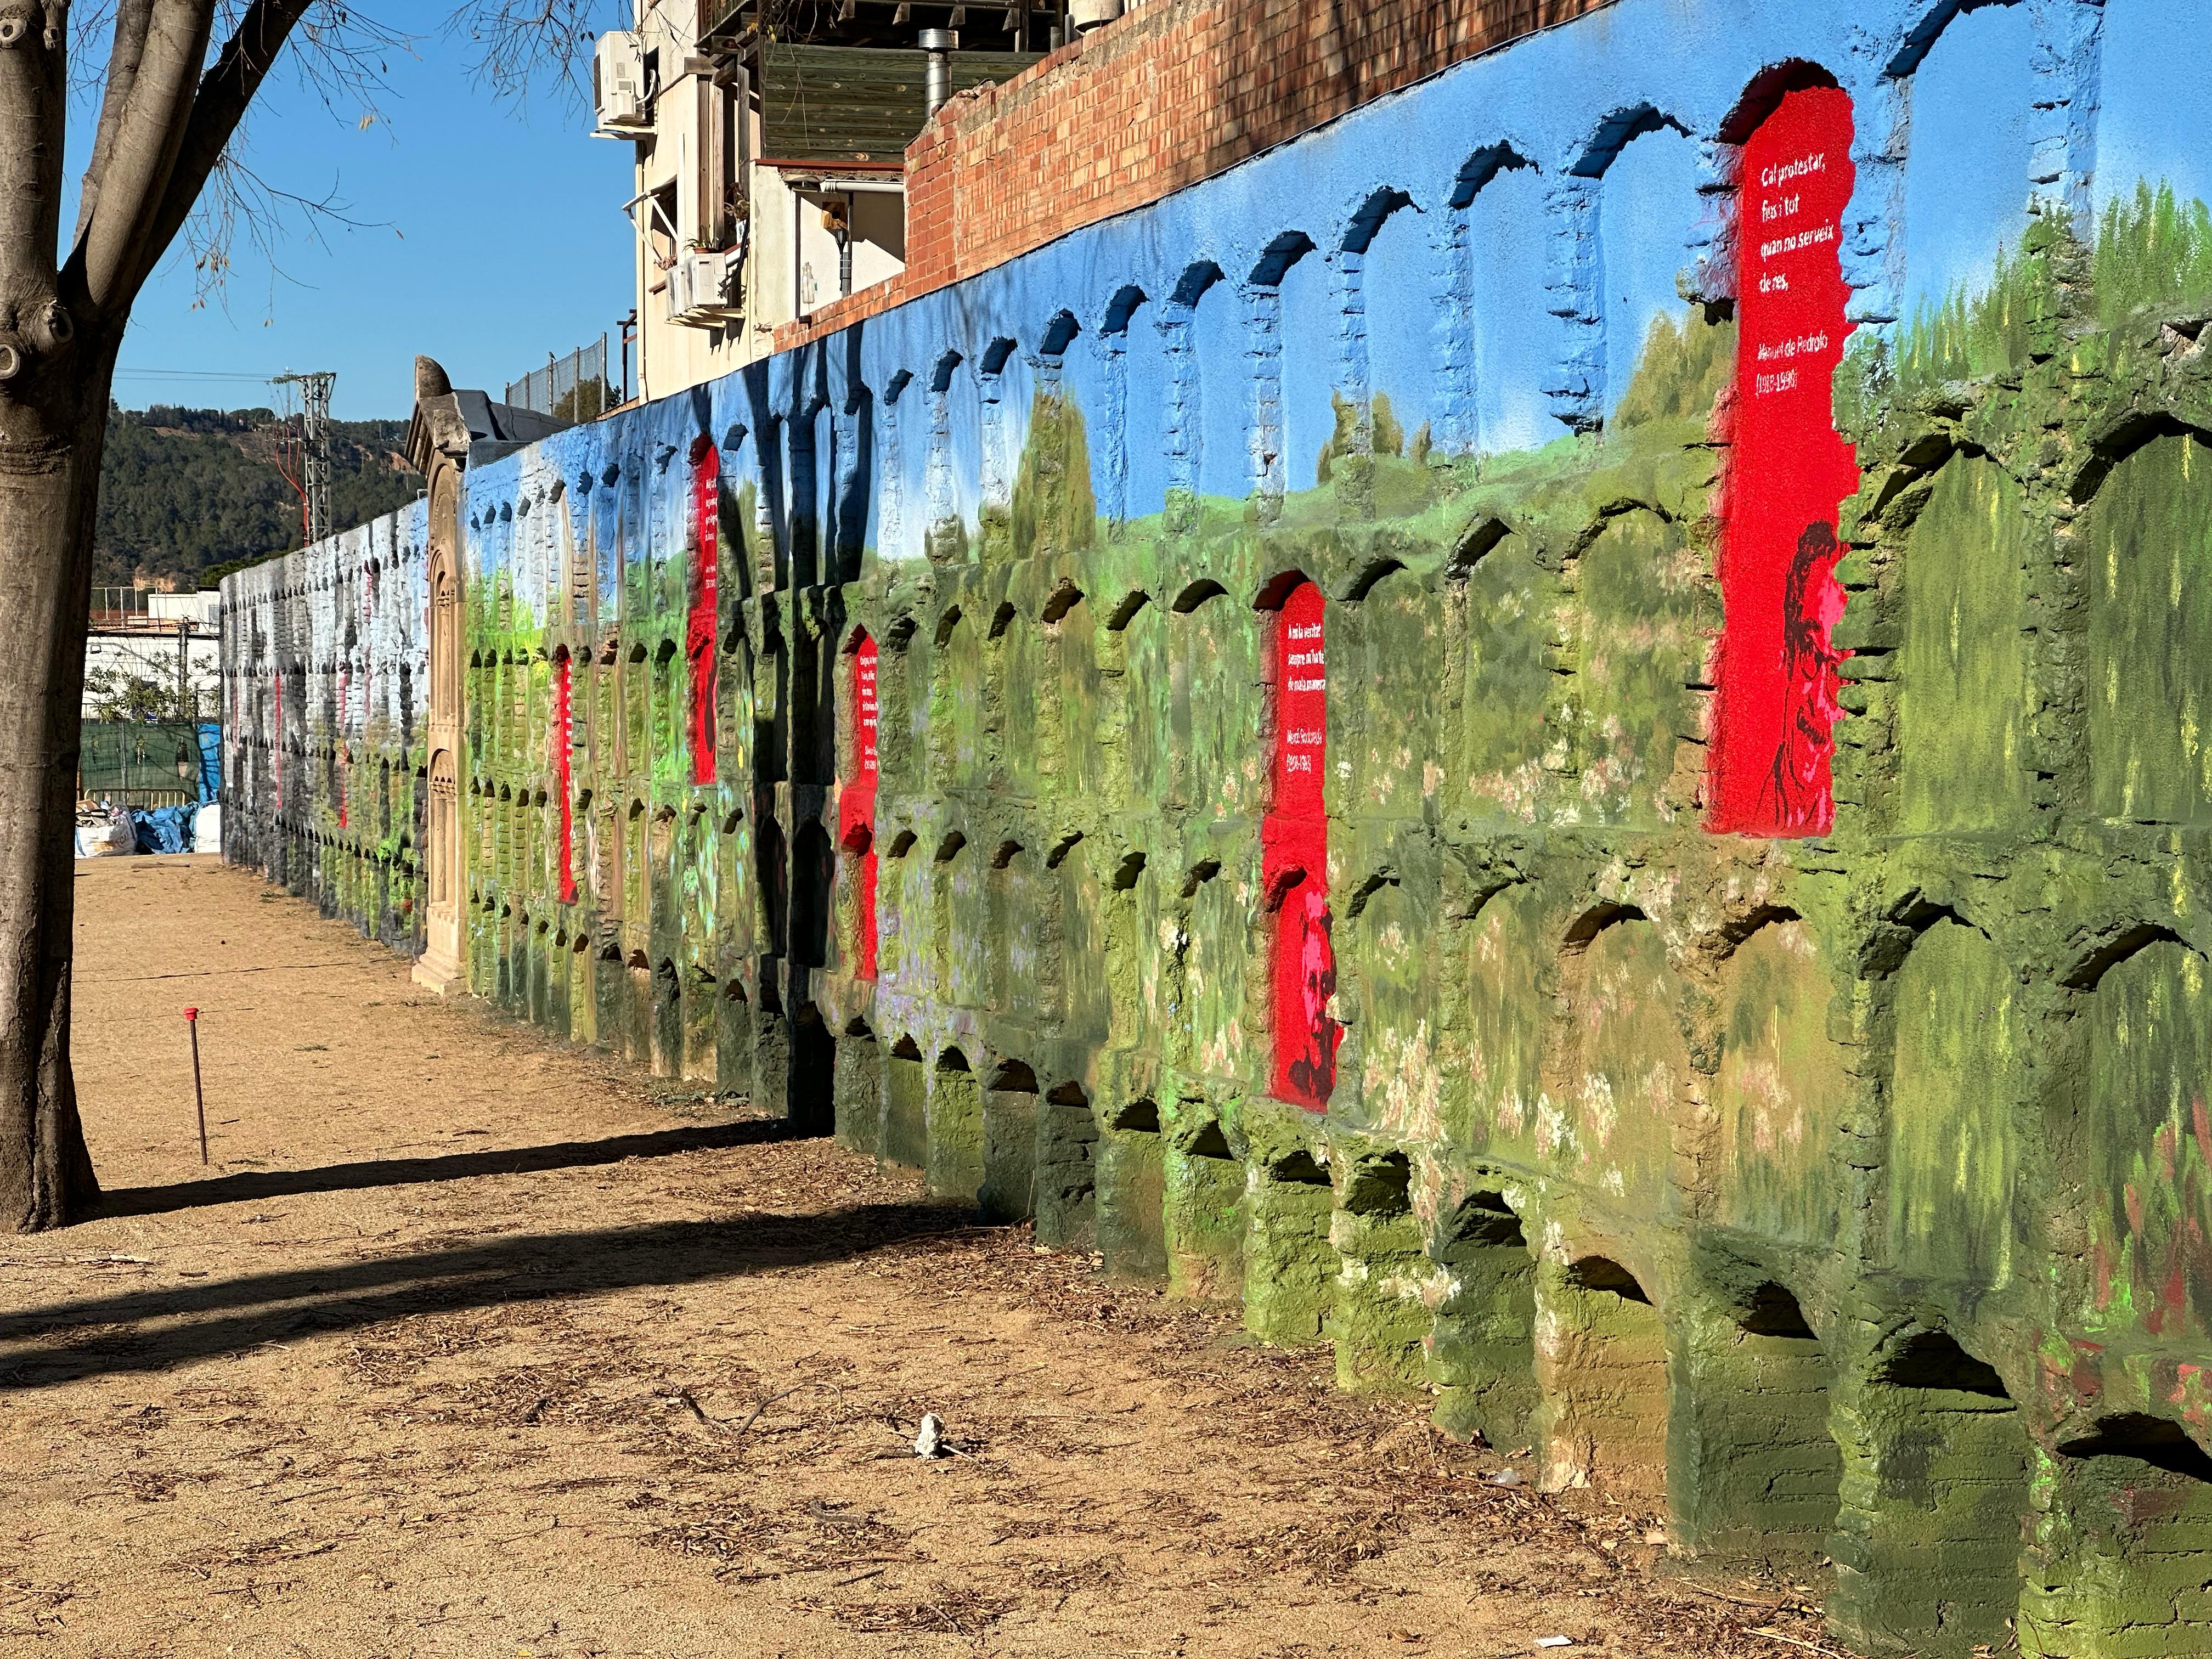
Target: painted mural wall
[325,682]
[1554,735]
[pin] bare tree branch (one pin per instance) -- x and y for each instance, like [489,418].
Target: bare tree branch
[148,136]
[238,202]
[225,93]
[520,42]
[130,19]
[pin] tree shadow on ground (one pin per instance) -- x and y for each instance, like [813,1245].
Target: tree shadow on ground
[66,1341]
[248,1185]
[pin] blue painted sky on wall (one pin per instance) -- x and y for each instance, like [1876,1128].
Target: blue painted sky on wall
[1966,185]
[1647,209]
[1454,308]
[2157,121]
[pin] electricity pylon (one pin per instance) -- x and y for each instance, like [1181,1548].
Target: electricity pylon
[314,480]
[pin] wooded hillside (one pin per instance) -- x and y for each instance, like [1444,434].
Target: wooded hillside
[191,493]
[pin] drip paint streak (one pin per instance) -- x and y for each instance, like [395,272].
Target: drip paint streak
[1789,469]
[344,768]
[856,803]
[562,717]
[1295,859]
[699,636]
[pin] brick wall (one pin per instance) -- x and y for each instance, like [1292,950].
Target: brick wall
[1171,92]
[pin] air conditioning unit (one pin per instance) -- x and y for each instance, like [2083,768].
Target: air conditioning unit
[678,295]
[707,294]
[621,99]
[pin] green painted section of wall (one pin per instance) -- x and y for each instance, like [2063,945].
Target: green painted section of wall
[1612,1090]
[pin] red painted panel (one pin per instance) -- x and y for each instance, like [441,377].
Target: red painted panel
[1294,857]
[1789,469]
[856,802]
[699,636]
[562,724]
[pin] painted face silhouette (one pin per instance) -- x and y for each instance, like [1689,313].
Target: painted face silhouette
[1314,1072]
[1812,602]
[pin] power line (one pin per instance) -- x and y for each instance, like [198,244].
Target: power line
[189,375]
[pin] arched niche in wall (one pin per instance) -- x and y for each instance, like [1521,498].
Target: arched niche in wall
[1388,713]
[1404,294]
[1210,391]
[1136,394]
[1643,619]
[1212,702]
[772,701]
[1290,417]
[899,481]
[1974,98]
[2134,1137]
[1493,338]
[1390,971]
[1622,1066]
[1643,166]
[774,868]
[814,875]
[1964,760]
[1952,1145]
[1080,992]
[1783,1087]
[903,917]
[1013,889]
[902,698]
[1055,511]
[944,501]
[1133,671]
[1067,694]
[960,912]
[1499,599]
[1505,945]
[1000,422]
[2149,655]
[1012,669]
[955,701]
[851,482]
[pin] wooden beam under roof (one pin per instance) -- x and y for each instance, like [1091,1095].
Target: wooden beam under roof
[740,27]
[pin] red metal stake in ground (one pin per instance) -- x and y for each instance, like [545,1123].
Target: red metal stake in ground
[199,1100]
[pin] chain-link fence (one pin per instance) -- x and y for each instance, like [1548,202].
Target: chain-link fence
[571,388]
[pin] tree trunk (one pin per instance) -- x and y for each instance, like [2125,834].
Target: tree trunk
[50,454]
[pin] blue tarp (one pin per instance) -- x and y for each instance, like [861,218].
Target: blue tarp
[210,760]
[164,829]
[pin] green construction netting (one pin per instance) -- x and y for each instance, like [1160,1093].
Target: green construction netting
[129,761]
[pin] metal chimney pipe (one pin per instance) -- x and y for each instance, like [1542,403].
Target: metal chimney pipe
[939,88]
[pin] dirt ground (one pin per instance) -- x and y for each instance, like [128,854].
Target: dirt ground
[470,1344]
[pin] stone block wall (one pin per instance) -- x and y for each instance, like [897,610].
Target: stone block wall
[324,675]
[1551,736]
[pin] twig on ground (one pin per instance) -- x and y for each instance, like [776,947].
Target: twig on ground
[796,1387]
[1761,1603]
[1794,1642]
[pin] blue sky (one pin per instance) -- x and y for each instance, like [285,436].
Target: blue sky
[495,237]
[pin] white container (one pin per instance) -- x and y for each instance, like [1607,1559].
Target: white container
[207,829]
[1088,15]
